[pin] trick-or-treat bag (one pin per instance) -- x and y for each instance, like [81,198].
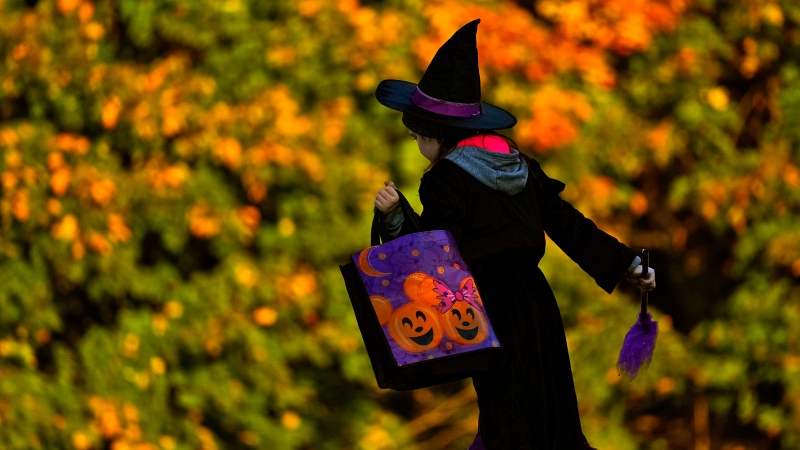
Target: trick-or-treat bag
[418,309]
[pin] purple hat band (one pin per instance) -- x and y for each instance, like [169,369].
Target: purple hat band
[444,108]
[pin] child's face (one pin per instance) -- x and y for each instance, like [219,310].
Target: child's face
[428,146]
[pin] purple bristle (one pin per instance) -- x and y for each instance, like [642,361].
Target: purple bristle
[638,346]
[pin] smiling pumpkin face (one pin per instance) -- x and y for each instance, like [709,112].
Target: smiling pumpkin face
[465,324]
[415,327]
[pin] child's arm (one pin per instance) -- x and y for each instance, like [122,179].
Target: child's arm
[599,254]
[392,221]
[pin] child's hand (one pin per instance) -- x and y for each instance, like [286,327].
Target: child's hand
[387,197]
[646,282]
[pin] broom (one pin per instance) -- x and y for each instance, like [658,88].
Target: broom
[640,342]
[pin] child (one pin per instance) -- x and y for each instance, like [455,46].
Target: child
[498,204]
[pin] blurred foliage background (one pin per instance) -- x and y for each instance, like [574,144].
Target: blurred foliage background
[181,179]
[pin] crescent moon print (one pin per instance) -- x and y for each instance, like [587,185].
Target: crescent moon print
[363,264]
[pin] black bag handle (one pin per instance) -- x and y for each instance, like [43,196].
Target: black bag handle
[377,219]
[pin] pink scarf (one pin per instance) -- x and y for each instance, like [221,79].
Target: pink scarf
[488,142]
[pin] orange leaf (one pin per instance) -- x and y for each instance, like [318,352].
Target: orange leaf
[85,12]
[53,206]
[59,181]
[257,192]
[174,176]
[110,113]
[9,180]
[66,229]
[291,420]
[791,175]
[173,309]
[119,232]
[19,205]
[309,8]
[229,152]
[245,275]
[55,160]
[20,51]
[265,316]
[71,143]
[639,204]
[659,137]
[78,250]
[203,222]
[8,137]
[67,6]
[303,284]
[102,191]
[94,31]
[99,244]
[80,441]
[250,216]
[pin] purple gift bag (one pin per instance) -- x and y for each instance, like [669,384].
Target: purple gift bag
[419,310]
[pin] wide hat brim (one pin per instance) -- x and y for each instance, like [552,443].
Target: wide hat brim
[396,94]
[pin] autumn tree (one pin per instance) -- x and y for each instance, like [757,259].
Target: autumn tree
[181,179]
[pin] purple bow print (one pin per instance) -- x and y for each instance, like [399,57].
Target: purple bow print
[448,297]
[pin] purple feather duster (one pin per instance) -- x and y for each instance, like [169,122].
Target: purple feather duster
[637,349]
[640,342]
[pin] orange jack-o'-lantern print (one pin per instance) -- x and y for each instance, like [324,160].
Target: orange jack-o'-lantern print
[465,324]
[415,327]
[419,287]
[383,309]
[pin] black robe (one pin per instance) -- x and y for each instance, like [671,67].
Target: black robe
[527,400]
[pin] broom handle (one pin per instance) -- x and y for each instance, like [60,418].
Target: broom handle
[645,269]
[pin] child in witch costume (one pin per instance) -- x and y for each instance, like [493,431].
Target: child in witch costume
[498,204]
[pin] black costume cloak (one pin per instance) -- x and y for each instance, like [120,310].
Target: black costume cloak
[527,400]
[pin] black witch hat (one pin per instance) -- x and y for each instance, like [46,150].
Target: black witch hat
[449,92]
